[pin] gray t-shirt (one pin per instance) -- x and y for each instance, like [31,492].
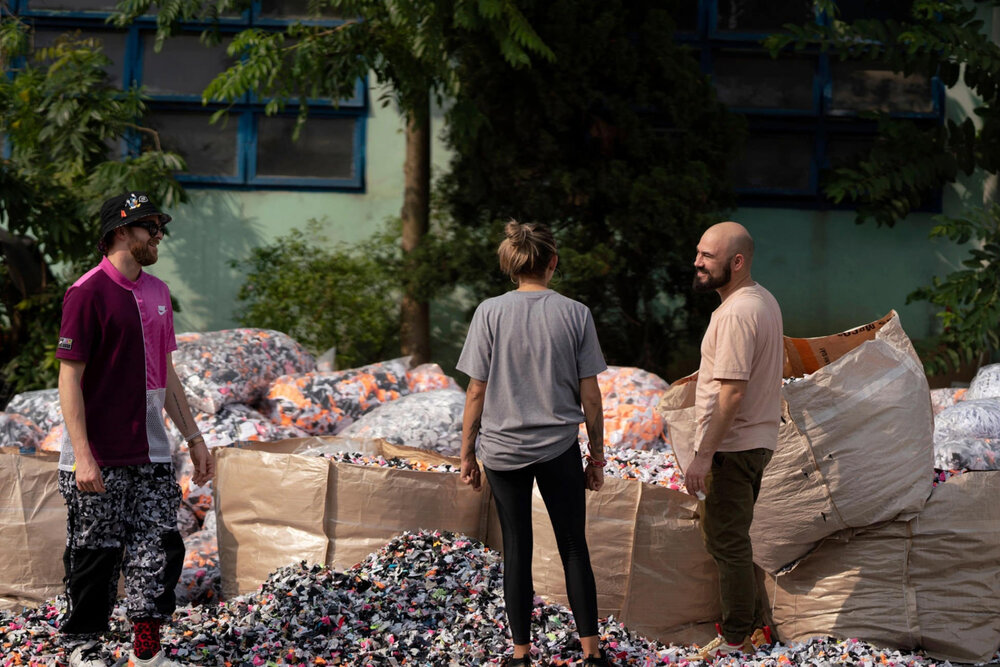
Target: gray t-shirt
[531,349]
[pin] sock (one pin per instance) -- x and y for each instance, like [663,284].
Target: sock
[145,638]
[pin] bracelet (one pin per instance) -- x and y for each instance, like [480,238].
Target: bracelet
[594,462]
[189,438]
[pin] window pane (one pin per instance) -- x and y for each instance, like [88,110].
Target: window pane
[852,10]
[185,66]
[762,16]
[863,87]
[325,148]
[775,161]
[73,5]
[753,80]
[293,9]
[112,45]
[209,150]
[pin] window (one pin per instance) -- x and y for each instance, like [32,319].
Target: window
[245,150]
[804,111]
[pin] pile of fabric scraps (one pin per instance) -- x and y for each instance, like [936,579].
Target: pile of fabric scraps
[41,410]
[651,467]
[946,397]
[234,423]
[630,396]
[19,431]
[201,578]
[943,475]
[967,435]
[41,407]
[235,365]
[967,454]
[986,383]
[429,420]
[427,598]
[378,461]
[428,377]
[325,403]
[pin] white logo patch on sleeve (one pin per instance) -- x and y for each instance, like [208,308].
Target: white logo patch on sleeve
[162,310]
[65,343]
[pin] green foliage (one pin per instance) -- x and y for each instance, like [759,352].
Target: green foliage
[35,366]
[60,117]
[968,298]
[346,297]
[620,145]
[910,163]
[407,44]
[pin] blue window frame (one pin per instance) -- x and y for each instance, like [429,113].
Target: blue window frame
[247,149]
[804,111]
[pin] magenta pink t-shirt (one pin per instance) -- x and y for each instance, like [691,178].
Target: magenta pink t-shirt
[124,331]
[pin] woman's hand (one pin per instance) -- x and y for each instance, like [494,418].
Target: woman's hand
[470,472]
[595,477]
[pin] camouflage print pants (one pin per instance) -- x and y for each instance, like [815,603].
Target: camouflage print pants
[132,527]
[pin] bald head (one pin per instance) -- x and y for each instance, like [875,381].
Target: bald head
[731,238]
[723,259]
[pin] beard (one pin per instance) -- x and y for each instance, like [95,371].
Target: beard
[711,282]
[142,252]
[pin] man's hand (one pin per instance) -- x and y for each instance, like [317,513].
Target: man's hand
[595,477]
[694,476]
[204,462]
[88,475]
[470,472]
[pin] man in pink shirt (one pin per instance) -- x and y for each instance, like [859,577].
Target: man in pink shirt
[115,469]
[737,408]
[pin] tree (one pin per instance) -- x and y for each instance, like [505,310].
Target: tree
[349,300]
[909,164]
[60,118]
[620,145]
[407,44]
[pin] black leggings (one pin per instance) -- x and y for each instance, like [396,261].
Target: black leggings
[562,485]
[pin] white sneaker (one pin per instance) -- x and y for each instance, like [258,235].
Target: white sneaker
[719,648]
[158,660]
[87,655]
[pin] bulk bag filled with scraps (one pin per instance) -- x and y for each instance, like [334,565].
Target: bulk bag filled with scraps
[40,406]
[857,433]
[218,368]
[429,420]
[629,397]
[325,403]
[854,443]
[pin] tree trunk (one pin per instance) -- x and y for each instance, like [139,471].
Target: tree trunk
[415,324]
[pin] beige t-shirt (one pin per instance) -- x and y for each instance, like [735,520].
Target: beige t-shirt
[743,342]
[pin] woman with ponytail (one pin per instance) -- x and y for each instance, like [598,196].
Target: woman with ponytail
[532,357]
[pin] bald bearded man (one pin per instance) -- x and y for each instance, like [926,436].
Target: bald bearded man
[737,407]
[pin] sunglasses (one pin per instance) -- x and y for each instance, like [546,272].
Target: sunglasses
[152,227]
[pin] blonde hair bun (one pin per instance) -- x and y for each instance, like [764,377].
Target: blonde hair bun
[526,249]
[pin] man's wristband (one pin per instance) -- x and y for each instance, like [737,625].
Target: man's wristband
[594,462]
[189,438]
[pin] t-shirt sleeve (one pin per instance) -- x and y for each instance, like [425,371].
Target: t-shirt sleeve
[79,323]
[478,349]
[590,360]
[734,345]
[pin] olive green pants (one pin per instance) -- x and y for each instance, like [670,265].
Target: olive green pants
[732,488]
